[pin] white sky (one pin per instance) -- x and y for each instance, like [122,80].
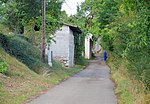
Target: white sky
[71,6]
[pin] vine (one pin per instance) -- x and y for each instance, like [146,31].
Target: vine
[79,48]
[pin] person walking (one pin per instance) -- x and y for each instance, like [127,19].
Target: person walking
[105,55]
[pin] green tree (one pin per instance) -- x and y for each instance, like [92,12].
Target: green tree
[123,26]
[17,14]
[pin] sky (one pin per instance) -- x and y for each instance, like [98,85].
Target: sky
[70,6]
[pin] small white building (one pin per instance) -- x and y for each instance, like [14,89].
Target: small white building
[63,47]
[90,46]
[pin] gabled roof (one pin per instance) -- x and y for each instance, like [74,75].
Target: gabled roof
[73,28]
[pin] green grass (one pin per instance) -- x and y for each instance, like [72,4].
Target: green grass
[59,73]
[20,83]
[123,89]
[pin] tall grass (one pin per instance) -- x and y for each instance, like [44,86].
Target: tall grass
[128,89]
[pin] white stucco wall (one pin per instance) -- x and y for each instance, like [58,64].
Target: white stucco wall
[71,49]
[64,46]
[87,46]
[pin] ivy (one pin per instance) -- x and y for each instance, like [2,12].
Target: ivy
[79,47]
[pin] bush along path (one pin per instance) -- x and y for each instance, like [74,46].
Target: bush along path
[90,86]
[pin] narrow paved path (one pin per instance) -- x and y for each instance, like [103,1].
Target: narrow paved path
[90,86]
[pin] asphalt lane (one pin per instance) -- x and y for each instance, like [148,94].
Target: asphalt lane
[90,86]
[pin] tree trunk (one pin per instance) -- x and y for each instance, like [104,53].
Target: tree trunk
[43,29]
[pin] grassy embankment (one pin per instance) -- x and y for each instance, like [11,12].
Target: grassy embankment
[20,83]
[128,90]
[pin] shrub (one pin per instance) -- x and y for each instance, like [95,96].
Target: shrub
[3,66]
[139,65]
[24,51]
[81,61]
[24,38]
[3,40]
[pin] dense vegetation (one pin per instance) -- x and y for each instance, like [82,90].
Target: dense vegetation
[79,49]
[124,26]
[125,32]
[24,17]
[3,66]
